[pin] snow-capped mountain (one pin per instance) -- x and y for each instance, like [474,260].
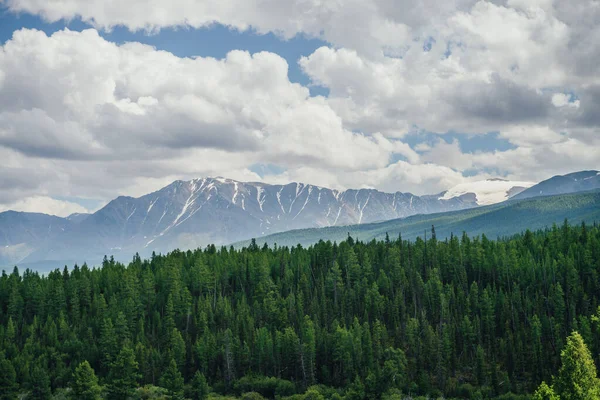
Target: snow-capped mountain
[489,191]
[188,214]
[560,184]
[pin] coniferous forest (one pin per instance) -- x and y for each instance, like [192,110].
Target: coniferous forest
[465,317]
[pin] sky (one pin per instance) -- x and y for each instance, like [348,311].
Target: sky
[101,98]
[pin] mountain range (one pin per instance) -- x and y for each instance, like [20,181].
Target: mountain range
[189,214]
[497,220]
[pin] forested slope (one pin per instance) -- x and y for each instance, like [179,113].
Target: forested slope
[463,317]
[506,218]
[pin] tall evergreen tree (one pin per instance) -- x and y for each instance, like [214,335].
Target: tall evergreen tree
[172,380]
[123,375]
[85,383]
[576,378]
[200,387]
[8,380]
[40,384]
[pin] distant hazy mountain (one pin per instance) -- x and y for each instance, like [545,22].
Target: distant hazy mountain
[501,219]
[77,217]
[490,191]
[22,233]
[217,210]
[189,214]
[570,183]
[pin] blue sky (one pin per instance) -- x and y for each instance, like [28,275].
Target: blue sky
[214,41]
[373,96]
[217,40]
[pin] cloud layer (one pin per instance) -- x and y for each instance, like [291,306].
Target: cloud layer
[82,116]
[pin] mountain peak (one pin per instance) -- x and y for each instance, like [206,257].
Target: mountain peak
[194,213]
[201,211]
[562,184]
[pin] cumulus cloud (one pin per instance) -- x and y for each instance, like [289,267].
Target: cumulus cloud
[80,115]
[372,26]
[121,99]
[420,179]
[45,205]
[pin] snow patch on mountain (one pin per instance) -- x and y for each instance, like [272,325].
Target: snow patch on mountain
[490,191]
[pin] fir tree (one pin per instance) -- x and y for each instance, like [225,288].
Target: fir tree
[123,375]
[172,380]
[577,375]
[40,384]
[8,380]
[85,383]
[200,388]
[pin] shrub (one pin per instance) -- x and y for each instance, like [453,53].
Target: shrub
[269,387]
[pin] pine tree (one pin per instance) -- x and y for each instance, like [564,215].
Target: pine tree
[8,380]
[199,387]
[123,375]
[85,383]
[108,343]
[40,384]
[172,380]
[577,375]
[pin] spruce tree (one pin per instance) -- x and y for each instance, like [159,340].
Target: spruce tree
[8,380]
[85,383]
[577,375]
[123,375]
[172,380]
[40,384]
[199,387]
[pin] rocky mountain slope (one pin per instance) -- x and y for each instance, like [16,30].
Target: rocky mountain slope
[189,214]
[570,183]
[502,219]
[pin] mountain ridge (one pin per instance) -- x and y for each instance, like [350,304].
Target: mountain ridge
[502,219]
[562,184]
[188,214]
[202,211]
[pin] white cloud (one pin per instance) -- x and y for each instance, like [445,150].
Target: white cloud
[103,101]
[46,205]
[448,154]
[563,99]
[531,135]
[419,179]
[80,115]
[372,26]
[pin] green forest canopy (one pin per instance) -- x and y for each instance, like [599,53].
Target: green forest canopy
[464,318]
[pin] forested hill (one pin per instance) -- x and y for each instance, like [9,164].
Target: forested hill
[503,219]
[462,317]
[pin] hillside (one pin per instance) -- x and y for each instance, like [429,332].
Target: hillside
[561,184]
[458,319]
[502,219]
